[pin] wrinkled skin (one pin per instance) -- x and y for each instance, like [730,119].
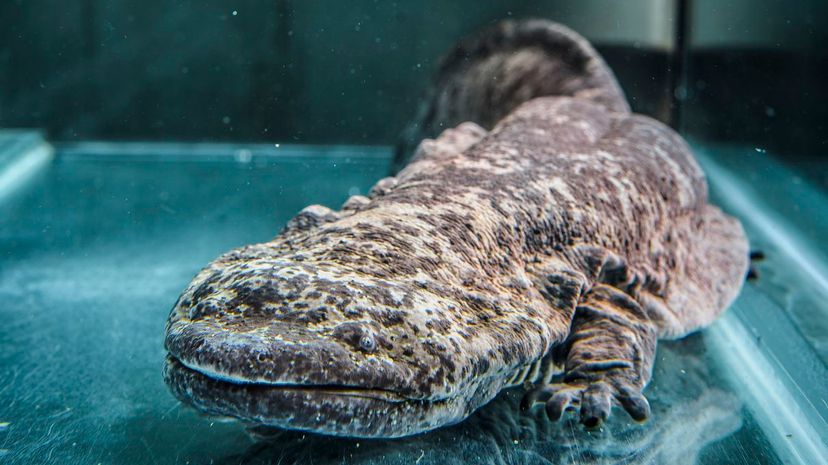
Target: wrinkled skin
[567,238]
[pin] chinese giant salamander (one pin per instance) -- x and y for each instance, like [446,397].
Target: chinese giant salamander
[548,237]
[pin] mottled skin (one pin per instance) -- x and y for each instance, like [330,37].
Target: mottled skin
[570,237]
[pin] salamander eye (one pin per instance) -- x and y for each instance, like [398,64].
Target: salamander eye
[367,343]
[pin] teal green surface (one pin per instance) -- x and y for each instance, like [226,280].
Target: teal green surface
[784,214]
[96,248]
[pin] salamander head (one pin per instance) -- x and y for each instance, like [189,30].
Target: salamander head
[272,339]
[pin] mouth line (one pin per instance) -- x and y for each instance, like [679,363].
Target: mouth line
[327,389]
[336,409]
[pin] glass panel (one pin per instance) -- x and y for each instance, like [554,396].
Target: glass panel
[757,79]
[283,70]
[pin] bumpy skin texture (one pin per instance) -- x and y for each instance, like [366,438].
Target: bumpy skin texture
[571,236]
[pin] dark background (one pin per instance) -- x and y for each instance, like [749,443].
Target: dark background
[352,72]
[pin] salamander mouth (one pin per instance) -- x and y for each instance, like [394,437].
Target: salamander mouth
[223,381]
[332,409]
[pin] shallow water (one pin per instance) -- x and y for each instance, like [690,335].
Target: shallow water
[101,246]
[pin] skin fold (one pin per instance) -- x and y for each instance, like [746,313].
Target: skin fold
[550,237]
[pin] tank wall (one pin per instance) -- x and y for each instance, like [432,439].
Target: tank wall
[313,72]
[756,75]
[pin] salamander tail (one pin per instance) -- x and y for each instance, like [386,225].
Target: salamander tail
[486,76]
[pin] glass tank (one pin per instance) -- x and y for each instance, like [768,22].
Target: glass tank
[141,140]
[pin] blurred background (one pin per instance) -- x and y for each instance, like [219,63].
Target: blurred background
[352,72]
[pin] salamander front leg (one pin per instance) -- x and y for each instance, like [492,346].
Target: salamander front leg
[608,360]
